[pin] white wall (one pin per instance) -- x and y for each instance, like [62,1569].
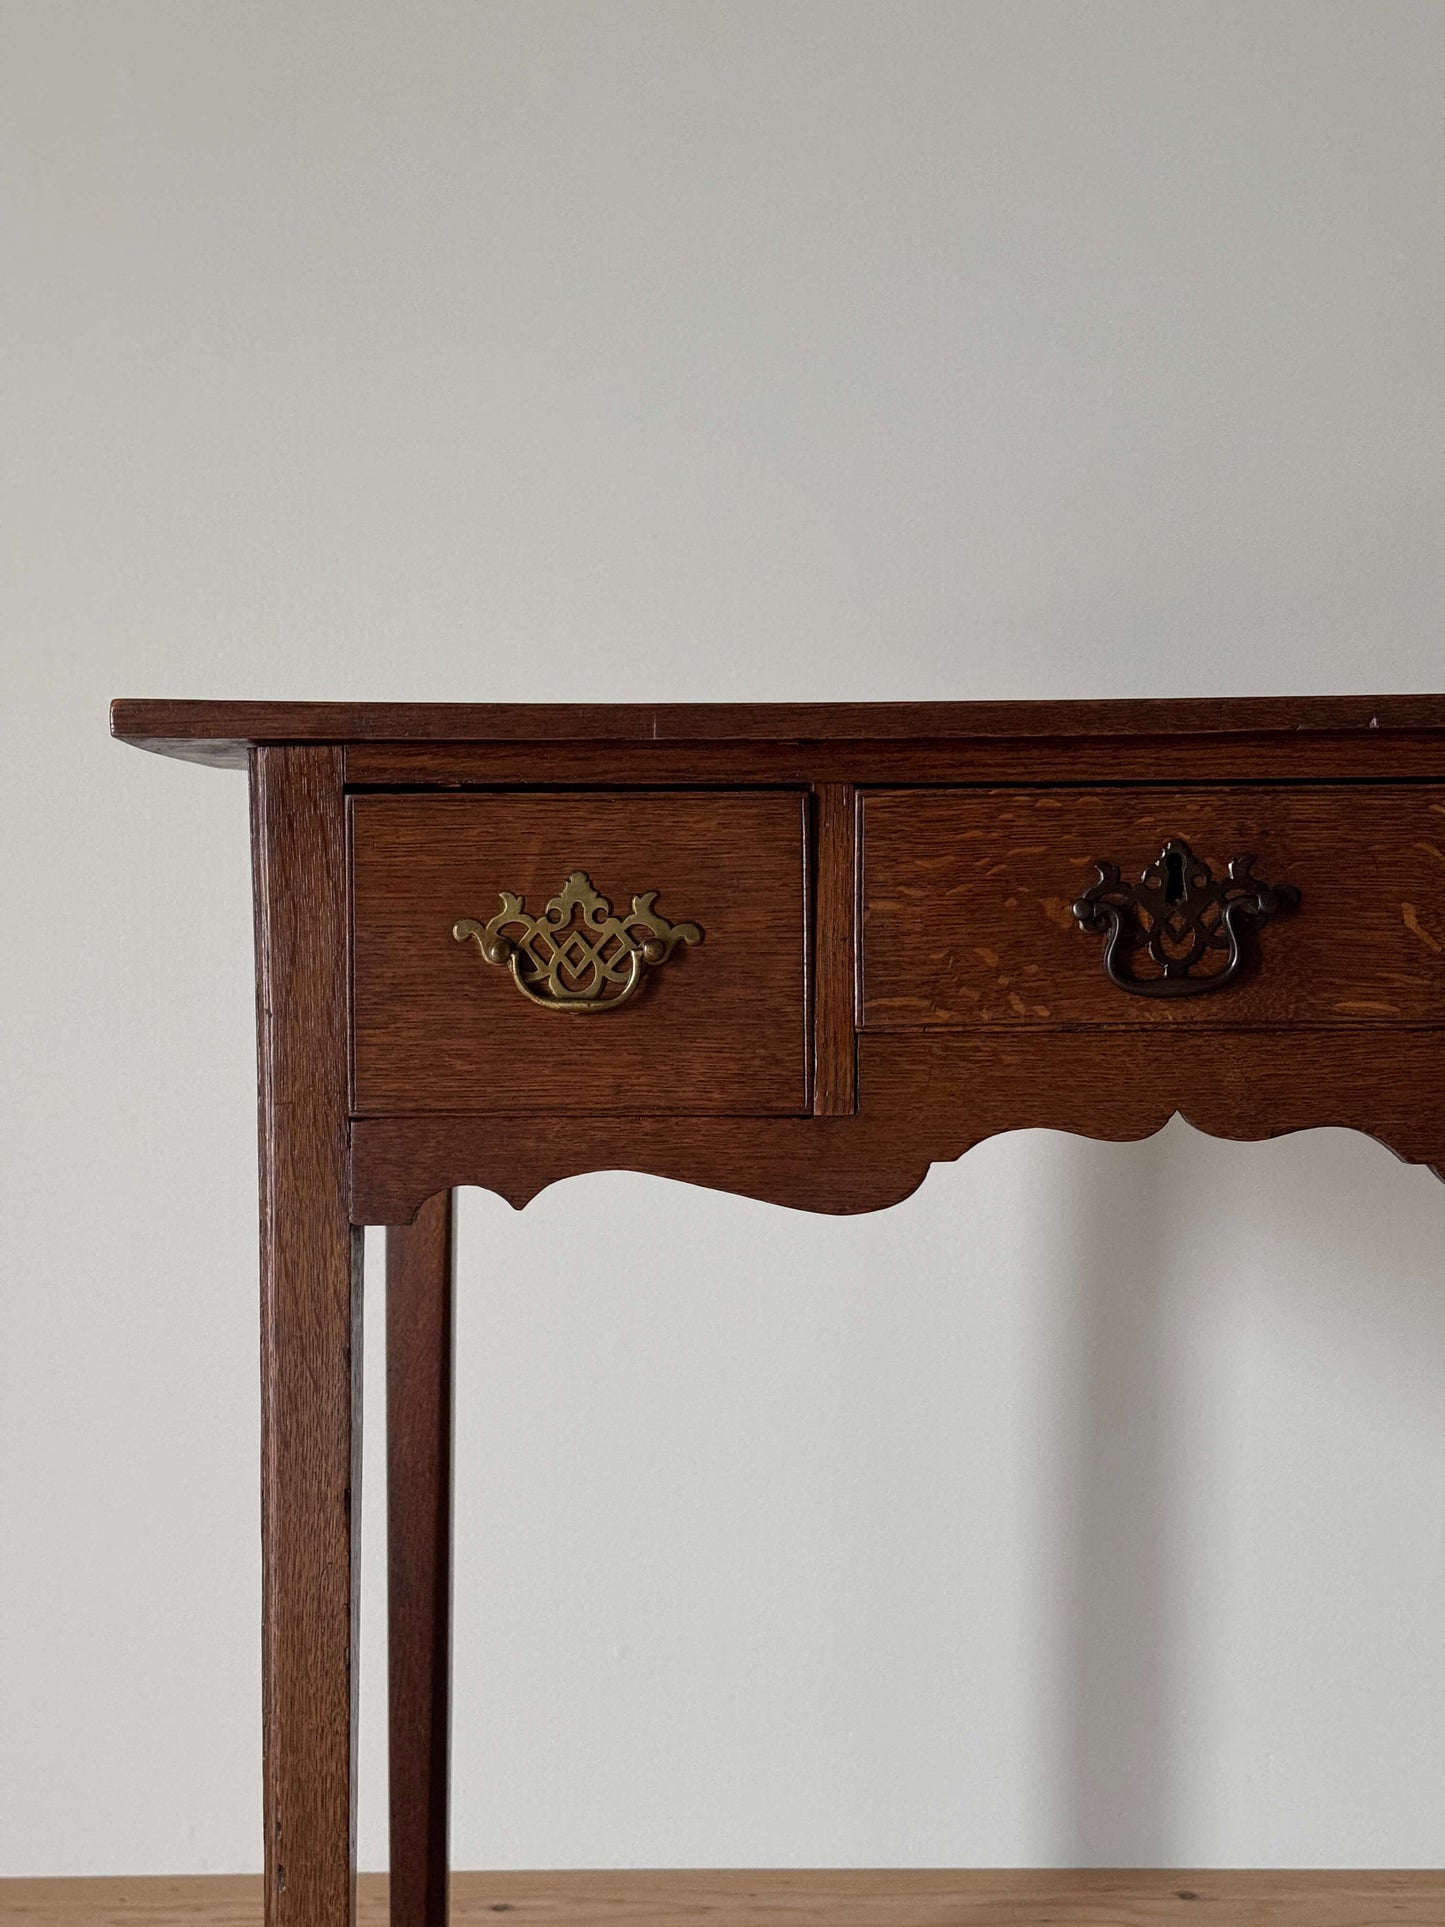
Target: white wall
[1089,1506]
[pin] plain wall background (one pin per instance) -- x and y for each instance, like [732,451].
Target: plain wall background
[1086,1508]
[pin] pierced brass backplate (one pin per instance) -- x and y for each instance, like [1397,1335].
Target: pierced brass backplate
[577,956]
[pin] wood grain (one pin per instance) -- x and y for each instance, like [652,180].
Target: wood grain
[836,902]
[720,1027]
[179,727]
[1089,1898]
[926,1098]
[1343,1023]
[967,897]
[310,1342]
[838,1165]
[950,1089]
[419,1355]
[996,762]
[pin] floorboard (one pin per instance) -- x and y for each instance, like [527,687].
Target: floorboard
[797,1898]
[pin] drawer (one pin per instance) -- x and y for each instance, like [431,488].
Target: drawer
[573,1016]
[969,894]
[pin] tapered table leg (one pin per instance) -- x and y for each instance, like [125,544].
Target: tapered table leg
[310,1343]
[418,1555]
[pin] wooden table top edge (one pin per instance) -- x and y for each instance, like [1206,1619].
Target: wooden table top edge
[221,732]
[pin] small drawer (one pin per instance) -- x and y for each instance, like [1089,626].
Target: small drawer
[484,980]
[969,906]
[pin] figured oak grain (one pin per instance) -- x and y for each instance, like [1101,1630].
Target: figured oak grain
[926,1098]
[1090,1897]
[310,1343]
[968,921]
[719,1027]
[1341,1021]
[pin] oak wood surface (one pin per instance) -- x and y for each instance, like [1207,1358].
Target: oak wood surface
[926,1098]
[1088,1898]
[1297,1057]
[310,1343]
[720,1026]
[836,900]
[968,920]
[219,731]
[998,762]
[419,1355]
[838,1165]
[954,1088]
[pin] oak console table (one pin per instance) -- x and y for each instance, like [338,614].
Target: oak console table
[799,952]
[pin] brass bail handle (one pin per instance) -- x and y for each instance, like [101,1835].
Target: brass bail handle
[578,955]
[1181,917]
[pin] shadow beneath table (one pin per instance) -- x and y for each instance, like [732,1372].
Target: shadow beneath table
[1181,1214]
[1117,1537]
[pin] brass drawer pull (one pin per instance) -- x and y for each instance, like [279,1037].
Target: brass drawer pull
[577,956]
[1178,914]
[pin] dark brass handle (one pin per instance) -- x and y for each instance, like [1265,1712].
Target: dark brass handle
[1180,916]
[577,956]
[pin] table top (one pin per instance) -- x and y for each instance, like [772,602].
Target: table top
[222,732]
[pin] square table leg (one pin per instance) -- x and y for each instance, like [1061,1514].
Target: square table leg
[310,1342]
[419,1352]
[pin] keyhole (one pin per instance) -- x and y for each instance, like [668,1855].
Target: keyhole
[1173,877]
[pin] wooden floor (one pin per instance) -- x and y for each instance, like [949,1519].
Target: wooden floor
[789,1899]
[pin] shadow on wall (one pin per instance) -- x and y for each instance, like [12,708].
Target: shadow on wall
[1119,1552]
[1069,1515]
[1182,1230]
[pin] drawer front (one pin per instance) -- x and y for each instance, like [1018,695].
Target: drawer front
[969,895]
[709,1017]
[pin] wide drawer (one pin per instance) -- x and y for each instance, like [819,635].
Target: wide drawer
[694,1002]
[969,895]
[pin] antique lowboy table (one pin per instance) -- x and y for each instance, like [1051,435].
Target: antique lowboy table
[805,951]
